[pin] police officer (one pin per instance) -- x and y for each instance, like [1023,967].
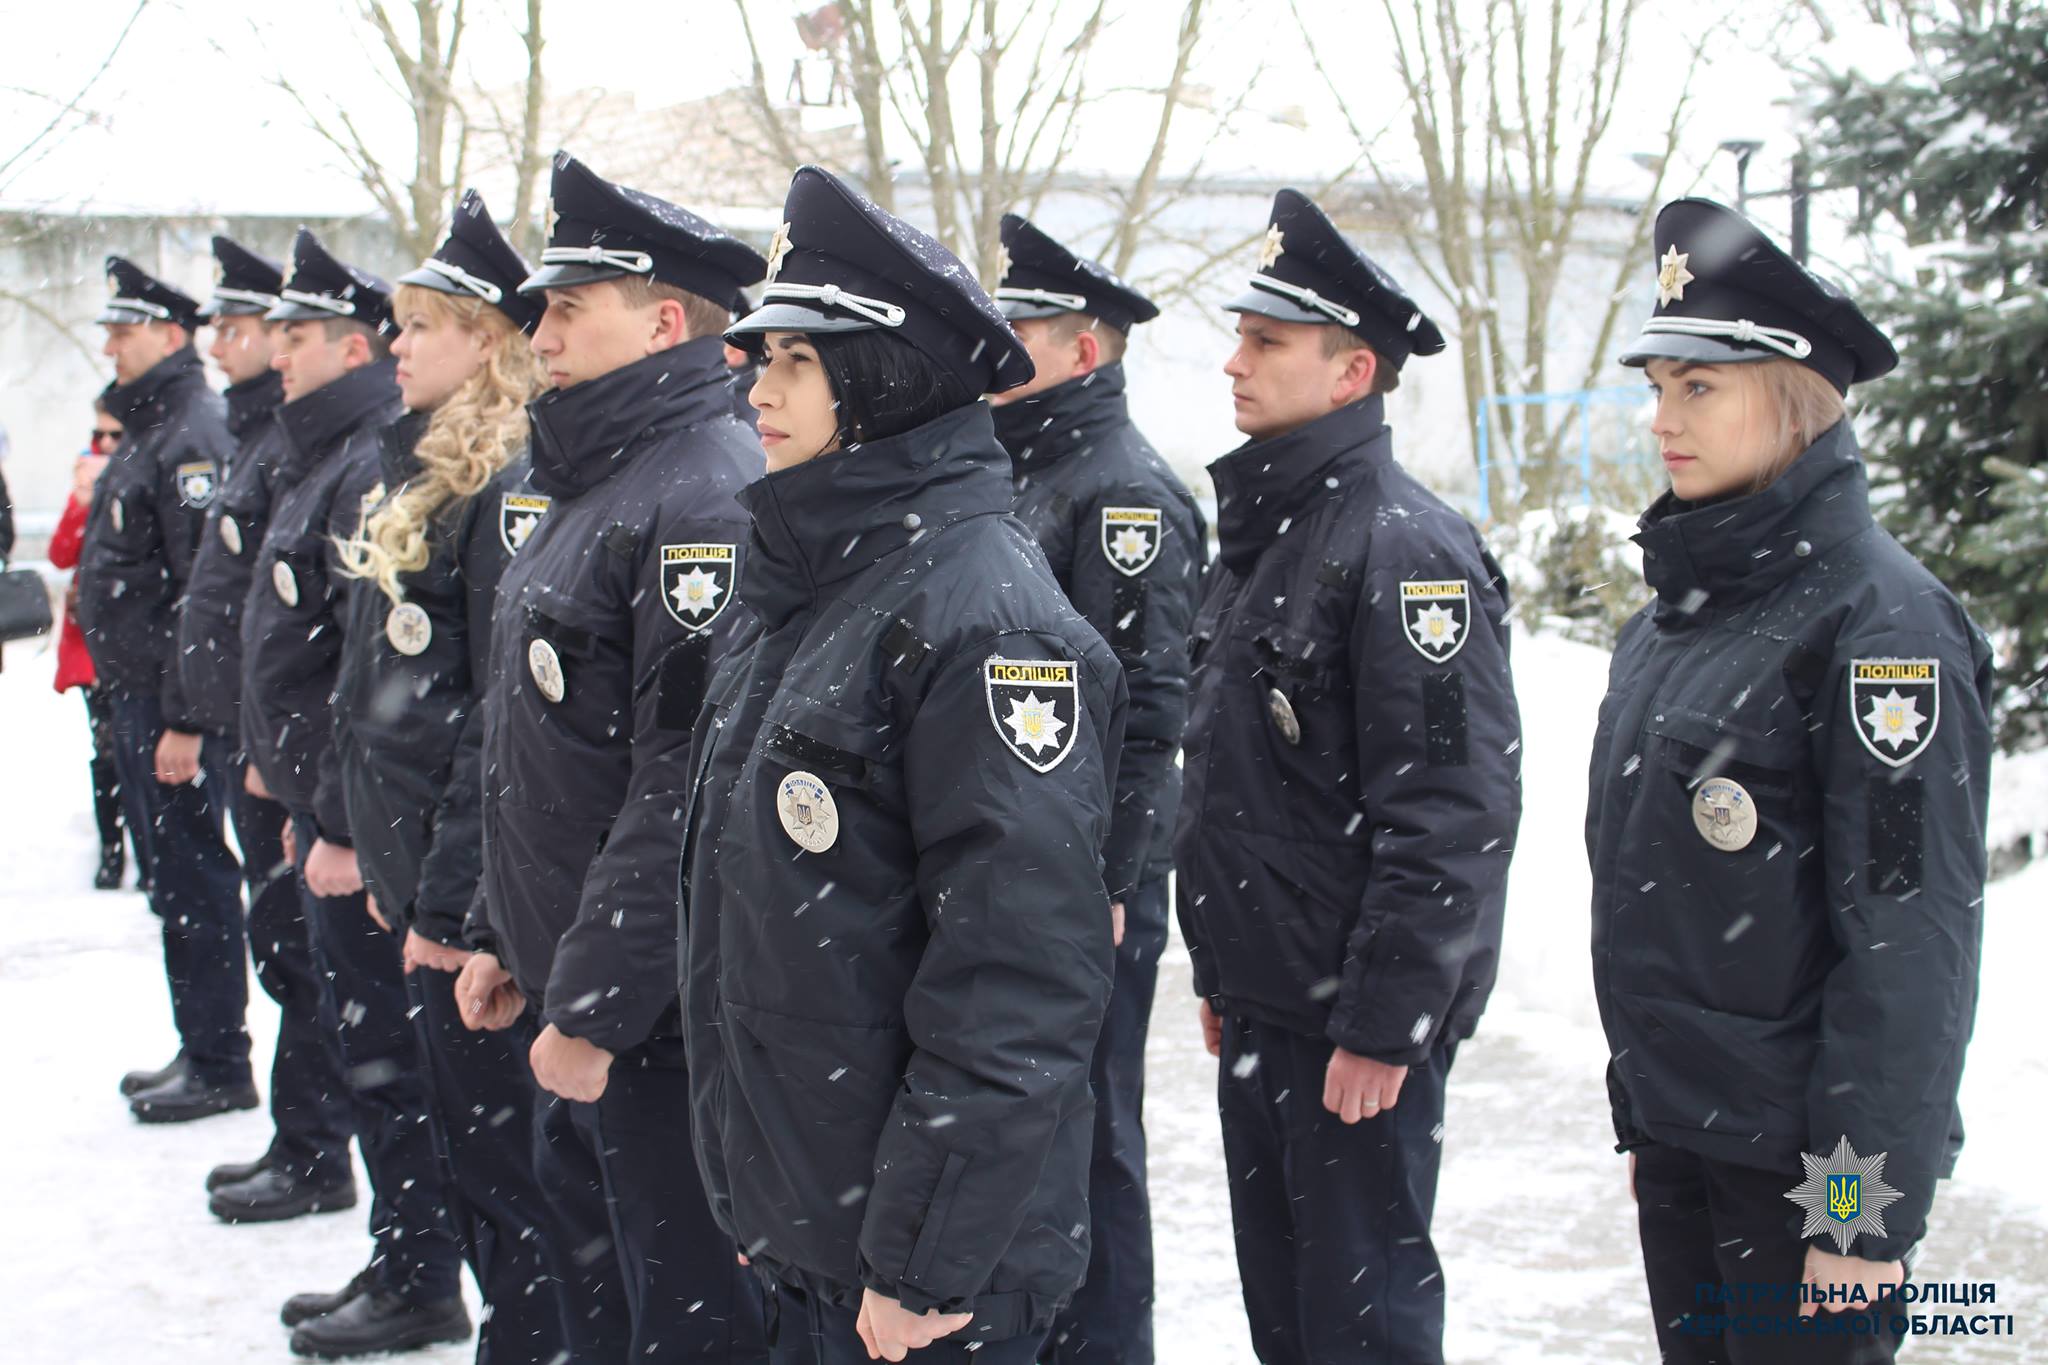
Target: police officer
[1127,544]
[1352,796]
[409,728]
[306,1166]
[144,525]
[607,625]
[339,390]
[1786,819]
[899,935]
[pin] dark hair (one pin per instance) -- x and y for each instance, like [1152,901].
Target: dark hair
[337,328]
[883,384]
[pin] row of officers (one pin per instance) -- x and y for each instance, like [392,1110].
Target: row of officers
[706,783]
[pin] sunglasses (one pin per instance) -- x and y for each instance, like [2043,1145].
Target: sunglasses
[100,438]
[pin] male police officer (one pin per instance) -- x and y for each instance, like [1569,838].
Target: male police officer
[1352,798]
[607,625]
[306,1167]
[144,524]
[1127,544]
[339,390]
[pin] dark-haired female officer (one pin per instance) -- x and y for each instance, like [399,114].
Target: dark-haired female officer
[1786,824]
[898,934]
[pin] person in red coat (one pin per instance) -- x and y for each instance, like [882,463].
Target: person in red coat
[74,664]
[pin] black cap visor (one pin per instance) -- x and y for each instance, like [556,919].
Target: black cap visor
[783,316]
[1270,305]
[569,276]
[1689,350]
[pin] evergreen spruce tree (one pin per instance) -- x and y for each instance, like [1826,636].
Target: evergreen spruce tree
[1952,157]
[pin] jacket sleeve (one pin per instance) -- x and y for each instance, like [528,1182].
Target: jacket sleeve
[344,520]
[1905,849]
[1008,999]
[615,968]
[182,520]
[454,860]
[1439,744]
[69,537]
[1145,615]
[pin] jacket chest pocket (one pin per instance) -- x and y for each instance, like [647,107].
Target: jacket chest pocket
[574,659]
[829,776]
[298,573]
[1739,792]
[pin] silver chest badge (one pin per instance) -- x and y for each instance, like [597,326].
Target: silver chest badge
[231,535]
[408,628]
[119,515]
[1724,814]
[1284,719]
[285,581]
[546,667]
[810,817]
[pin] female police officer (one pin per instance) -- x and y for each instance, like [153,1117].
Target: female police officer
[408,725]
[1786,823]
[899,950]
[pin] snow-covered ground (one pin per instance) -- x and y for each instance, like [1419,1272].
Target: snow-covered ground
[111,1256]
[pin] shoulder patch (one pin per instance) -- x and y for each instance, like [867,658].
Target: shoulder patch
[697,582]
[1130,538]
[198,482]
[518,515]
[1896,705]
[1436,616]
[1035,705]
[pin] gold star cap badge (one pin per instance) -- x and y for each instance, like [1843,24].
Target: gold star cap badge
[1270,250]
[1003,263]
[1673,277]
[778,247]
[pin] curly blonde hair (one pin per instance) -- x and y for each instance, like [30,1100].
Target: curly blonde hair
[469,438]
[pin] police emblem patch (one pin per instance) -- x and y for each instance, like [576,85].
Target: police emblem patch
[809,815]
[197,483]
[518,515]
[1724,814]
[1843,1195]
[1130,538]
[284,582]
[231,535]
[1035,705]
[409,629]
[1436,616]
[697,582]
[1896,705]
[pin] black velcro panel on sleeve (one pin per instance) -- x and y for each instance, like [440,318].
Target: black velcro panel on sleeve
[1127,627]
[679,693]
[1897,832]
[1443,719]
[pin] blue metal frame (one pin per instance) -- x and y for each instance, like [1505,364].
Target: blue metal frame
[1583,399]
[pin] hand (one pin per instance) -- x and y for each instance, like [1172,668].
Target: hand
[484,990]
[890,1331]
[1356,1087]
[289,837]
[177,758]
[1212,1031]
[1116,923]
[252,783]
[376,912]
[331,870]
[569,1067]
[85,474]
[1834,1277]
[1632,1175]
[424,952]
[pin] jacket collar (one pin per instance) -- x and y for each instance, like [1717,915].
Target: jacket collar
[315,424]
[826,520]
[251,403]
[395,445]
[142,404]
[587,432]
[1263,485]
[1721,554]
[1047,427]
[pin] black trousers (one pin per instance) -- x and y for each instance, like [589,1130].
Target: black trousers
[195,890]
[414,1254]
[308,1097]
[654,1279]
[1109,1321]
[1332,1222]
[1707,1224]
[803,1330]
[106,778]
[482,1094]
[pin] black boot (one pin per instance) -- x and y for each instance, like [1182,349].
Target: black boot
[275,1194]
[135,1082]
[235,1172]
[378,1320]
[189,1098]
[305,1307]
[113,866]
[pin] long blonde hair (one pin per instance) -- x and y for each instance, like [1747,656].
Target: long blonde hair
[469,438]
